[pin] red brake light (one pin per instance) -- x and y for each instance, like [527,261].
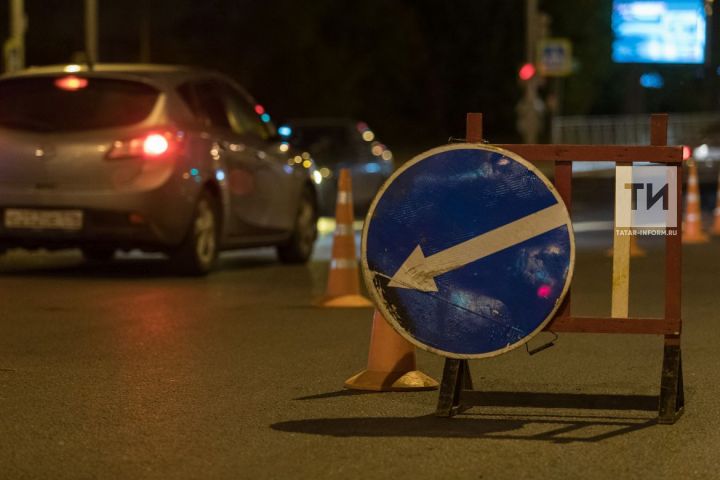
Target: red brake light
[152,145]
[71,83]
[686,152]
[155,144]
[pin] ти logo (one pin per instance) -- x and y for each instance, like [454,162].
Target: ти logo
[646,197]
[651,199]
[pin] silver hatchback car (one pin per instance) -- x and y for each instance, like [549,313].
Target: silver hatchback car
[159,158]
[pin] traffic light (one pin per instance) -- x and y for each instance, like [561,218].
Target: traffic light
[527,71]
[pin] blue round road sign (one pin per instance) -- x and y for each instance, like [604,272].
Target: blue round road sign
[468,251]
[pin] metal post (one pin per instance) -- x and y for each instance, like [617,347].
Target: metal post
[91,31]
[530,120]
[14,48]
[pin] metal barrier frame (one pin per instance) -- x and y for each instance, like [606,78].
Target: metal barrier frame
[456,390]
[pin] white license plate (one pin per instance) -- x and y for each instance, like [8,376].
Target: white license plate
[45,219]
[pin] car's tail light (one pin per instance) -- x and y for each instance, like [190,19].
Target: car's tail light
[71,83]
[152,145]
[155,144]
[686,152]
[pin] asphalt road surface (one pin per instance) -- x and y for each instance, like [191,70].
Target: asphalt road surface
[125,371]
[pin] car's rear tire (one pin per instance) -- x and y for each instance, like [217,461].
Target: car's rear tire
[299,247]
[197,253]
[98,254]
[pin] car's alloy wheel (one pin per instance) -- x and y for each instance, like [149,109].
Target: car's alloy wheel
[205,232]
[300,245]
[198,252]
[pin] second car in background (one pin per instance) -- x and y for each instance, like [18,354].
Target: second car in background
[342,143]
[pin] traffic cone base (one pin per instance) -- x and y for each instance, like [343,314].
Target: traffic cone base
[347,301]
[391,363]
[693,236]
[391,381]
[635,249]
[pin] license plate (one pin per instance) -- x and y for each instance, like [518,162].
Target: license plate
[43,219]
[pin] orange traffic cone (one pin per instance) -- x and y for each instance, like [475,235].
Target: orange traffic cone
[343,287]
[716,212]
[391,363]
[692,229]
[635,249]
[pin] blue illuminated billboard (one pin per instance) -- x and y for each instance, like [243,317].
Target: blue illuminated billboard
[658,31]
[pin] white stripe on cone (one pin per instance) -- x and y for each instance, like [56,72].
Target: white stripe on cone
[343,263]
[344,198]
[343,230]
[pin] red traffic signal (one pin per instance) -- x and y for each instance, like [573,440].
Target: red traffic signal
[527,71]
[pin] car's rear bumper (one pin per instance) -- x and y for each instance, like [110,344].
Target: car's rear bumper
[154,219]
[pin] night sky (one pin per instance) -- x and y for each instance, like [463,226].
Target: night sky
[410,68]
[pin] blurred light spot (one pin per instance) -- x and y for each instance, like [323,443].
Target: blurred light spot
[194,171]
[288,169]
[259,109]
[220,175]
[686,152]
[372,168]
[387,155]
[326,225]
[307,164]
[377,150]
[701,152]
[527,72]
[284,147]
[265,117]
[284,131]
[306,155]
[71,83]
[544,291]
[325,172]
[155,144]
[317,177]
[361,126]
[652,80]
[298,159]
[72,68]
[368,136]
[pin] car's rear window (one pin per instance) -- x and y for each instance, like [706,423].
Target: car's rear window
[69,103]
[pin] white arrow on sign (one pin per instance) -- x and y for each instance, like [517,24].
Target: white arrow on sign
[418,272]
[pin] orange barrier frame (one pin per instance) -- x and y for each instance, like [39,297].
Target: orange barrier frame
[456,391]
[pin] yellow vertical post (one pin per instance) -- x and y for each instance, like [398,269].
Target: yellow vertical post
[621,263]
